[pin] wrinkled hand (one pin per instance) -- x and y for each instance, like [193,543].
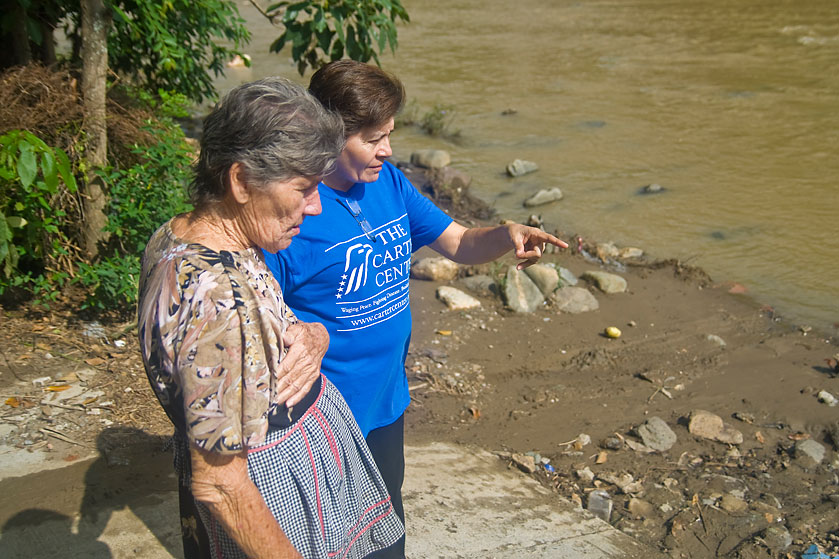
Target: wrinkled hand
[530,244]
[307,343]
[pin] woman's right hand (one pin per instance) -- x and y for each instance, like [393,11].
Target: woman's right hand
[307,343]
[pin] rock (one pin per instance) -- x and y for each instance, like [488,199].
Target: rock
[809,453]
[628,253]
[525,463]
[520,293]
[545,196]
[431,158]
[454,178]
[730,435]
[600,504]
[713,338]
[456,299]
[732,504]
[546,278]
[656,434]
[621,481]
[434,269]
[480,284]
[611,443]
[652,189]
[833,434]
[585,474]
[567,277]
[707,425]
[777,538]
[521,167]
[828,398]
[640,508]
[606,282]
[606,251]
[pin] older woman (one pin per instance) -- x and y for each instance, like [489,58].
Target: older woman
[349,266]
[271,461]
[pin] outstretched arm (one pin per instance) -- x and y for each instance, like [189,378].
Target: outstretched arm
[484,244]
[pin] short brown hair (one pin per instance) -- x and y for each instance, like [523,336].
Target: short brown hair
[362,94]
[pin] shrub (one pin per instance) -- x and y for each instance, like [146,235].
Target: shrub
[37,192]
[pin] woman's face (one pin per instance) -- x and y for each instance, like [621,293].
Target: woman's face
[274,212]
[363,156]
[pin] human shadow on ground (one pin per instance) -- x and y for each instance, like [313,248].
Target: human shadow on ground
[132,473]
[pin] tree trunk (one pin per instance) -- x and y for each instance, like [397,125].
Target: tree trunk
[20,38]
[96,21]
[47,44]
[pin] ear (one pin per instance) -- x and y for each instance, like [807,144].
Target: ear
[239,188]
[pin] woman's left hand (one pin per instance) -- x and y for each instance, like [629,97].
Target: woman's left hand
[307,343]
[529,243]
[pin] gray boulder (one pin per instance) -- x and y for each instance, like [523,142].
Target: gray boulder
[546,278]
[431,158]
[545,196]
[606,282]
[520,293]
[521,167]
[574,300]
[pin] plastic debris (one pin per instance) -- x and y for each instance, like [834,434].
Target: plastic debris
[813,552]
[549,468]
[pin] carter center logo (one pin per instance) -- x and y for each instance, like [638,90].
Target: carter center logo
[356,266]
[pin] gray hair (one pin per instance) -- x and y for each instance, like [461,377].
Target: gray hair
[274,129]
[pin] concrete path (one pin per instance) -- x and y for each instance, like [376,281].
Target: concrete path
[460,504]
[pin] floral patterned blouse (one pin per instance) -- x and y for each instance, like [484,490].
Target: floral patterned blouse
[210,327]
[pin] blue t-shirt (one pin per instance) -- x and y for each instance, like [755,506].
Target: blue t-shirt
[356,285]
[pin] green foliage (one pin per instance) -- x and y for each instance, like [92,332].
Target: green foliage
[175,44]
[172,45]
[34,243]
[142,197]
[322,30]
[437,121]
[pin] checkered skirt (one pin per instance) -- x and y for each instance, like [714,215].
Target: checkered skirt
[319,480]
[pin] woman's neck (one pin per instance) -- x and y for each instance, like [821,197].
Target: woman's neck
[212,227]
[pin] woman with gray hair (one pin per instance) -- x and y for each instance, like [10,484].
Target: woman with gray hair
[271,462]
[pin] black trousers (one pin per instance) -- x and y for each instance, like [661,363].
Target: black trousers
[387,445]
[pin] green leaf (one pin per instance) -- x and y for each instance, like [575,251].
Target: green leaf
[27,165]
[16,221]
[66,172]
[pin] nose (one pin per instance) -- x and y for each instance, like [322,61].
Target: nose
[313,206]
[384,148]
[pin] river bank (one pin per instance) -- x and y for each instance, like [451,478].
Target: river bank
[519,385]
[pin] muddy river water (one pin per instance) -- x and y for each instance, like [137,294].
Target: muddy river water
[732,107]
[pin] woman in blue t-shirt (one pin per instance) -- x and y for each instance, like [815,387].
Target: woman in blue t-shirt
[349,266]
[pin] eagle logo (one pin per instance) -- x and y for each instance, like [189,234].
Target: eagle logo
[356,263]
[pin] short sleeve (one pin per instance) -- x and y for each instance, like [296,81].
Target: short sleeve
[207,367]
[427,221]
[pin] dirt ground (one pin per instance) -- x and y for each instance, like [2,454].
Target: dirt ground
[547,392]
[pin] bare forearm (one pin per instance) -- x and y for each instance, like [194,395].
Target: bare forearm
[480,245]
[221,483]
